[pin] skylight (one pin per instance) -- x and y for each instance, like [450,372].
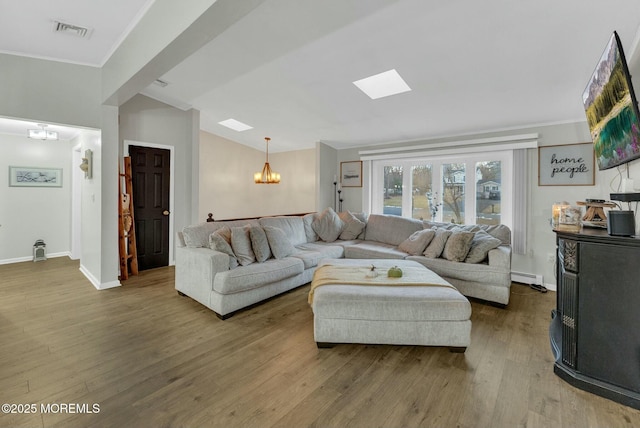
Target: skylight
[382,85]
[235,125]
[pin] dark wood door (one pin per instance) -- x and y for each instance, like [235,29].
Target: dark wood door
[150,170]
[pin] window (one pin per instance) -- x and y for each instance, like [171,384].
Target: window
[467,189]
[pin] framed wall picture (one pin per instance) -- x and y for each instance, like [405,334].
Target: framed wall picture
[22,176]
[351,174]
[568,165]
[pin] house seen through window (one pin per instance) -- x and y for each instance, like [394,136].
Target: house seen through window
[462,190]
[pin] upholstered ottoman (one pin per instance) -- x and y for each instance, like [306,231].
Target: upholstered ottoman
[423,310]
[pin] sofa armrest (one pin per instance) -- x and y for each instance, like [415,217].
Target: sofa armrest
[195,270]
[500,257]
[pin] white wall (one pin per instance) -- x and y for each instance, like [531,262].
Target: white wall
[145,120]
[227,188]
[30,213]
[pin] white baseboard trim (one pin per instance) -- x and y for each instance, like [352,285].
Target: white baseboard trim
[30,258]
[531,279]
[94,281]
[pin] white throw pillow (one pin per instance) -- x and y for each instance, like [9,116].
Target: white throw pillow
[352,226]
[280,245]
[328,225]
[259,244]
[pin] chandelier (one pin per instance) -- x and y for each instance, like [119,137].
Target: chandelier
[42,133]
[267,176]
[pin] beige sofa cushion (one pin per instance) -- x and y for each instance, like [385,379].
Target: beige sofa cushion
[390,229]
[256,275]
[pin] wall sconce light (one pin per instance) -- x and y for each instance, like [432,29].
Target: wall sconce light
[87,164]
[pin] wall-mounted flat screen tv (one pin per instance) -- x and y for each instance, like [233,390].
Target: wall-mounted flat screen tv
[612,109]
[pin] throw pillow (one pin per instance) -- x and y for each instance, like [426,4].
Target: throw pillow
[219,243]
[311,234]
[436,246]
[241,244]
[280,245]
[417,242]
[352,228]
[480,246]
[259,243]
[225,232]
[458,245]
[328,225]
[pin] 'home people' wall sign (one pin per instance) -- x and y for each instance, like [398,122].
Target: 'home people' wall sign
[569,165]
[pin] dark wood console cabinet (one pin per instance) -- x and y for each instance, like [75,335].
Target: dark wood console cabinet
[595,328]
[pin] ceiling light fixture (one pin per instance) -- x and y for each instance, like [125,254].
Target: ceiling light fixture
[235,125]
[383,84]
[266,176]
[42,133]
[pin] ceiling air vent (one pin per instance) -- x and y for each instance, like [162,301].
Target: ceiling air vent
[73,30]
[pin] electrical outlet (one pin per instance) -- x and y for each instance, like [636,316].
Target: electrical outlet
[551,257]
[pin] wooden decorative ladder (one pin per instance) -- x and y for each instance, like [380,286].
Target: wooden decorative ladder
[126,224]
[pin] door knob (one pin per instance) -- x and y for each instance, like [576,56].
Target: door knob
[165,212]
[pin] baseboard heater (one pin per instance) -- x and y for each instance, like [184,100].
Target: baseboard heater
[526,278]
[534,281]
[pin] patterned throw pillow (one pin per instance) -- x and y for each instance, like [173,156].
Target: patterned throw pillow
[458,245]
[480,246]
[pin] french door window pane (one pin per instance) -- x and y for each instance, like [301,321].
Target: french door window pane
[392,190]
[488,192]
[453,185]
[423,199]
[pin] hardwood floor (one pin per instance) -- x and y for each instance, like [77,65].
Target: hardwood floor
[150,358]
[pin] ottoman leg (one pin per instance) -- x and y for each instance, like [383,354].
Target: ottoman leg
[325,345]
[457,349]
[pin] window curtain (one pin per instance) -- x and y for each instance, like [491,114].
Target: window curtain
[520,198]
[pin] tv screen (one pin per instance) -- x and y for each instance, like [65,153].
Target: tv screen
[612,109]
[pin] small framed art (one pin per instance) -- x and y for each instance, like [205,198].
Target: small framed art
[351,174]
[22,176]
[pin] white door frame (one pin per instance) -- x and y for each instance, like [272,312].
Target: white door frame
[76,203]
[171,149]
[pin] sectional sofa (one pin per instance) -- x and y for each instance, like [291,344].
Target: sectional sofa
[230,265]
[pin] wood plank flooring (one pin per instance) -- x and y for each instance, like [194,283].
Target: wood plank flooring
[150,358]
